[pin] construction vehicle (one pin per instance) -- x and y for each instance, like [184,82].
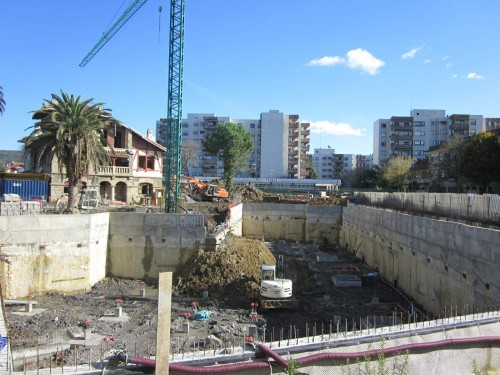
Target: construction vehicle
[275,290]
[204,192]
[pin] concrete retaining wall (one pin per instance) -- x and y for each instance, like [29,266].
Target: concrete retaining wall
[49,253]
[297,222]
[438,263]
[143,245]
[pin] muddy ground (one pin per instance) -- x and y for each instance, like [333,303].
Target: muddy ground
[224,283]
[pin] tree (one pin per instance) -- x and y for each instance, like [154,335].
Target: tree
[233,145]
[2,101]
[362,178]
[190,156]
[71,131]
[311,171]
[480,160]
[450,162]
[396,170]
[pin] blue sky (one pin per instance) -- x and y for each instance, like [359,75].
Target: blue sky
[339,64]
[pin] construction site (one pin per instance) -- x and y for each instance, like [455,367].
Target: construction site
[86,295]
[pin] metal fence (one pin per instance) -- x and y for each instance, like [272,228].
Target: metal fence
[469,207]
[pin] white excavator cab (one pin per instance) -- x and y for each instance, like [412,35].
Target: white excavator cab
[271,287]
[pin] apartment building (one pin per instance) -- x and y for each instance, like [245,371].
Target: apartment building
[329,165]
[285,145]
[413,135]
[281,144]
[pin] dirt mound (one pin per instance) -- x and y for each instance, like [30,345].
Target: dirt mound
[231,273]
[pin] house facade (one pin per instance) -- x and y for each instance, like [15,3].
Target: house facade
[133,177]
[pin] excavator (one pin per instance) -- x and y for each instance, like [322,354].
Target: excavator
[203,191]
[275,290]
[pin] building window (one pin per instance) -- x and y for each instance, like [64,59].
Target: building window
[419,143]
[419,123]
[252,126]
[146,162]
[419,133]
[473,122]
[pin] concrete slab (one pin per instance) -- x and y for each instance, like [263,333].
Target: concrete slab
[112,318]
[346,281]
[23,312]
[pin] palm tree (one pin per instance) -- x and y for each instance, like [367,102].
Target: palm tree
[69,130]
[2,101]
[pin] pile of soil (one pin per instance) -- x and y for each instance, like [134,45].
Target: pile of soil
[231,273]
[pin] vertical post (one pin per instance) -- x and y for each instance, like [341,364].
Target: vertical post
[164,316]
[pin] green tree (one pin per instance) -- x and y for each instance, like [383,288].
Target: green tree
[71,131]
[449,165]
[232,144]
[311,171]
[480,160]
[2,101]
[396,170]
[362,178]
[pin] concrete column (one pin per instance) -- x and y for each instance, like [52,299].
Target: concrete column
[163,329]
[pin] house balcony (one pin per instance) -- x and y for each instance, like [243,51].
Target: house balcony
[305,132]
[293,152]
[114,171]
[293,143]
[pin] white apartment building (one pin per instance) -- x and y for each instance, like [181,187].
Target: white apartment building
[281,144]
[329,165]
[413,135]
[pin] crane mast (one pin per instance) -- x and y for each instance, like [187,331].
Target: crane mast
[172,163]
[172,131]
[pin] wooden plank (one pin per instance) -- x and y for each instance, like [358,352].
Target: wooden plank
[163,327]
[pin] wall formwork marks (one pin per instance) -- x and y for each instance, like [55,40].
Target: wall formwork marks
[439,263]
[296,222]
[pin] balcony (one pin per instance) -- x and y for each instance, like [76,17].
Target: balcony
[114,171]
[293,143]
[305,133]
[395,136]
[401,147]
[459,126]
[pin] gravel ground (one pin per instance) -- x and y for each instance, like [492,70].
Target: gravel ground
[230,277]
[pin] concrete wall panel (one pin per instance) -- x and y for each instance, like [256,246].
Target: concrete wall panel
[143,245]
[439,263]
[297,222]
[52,253]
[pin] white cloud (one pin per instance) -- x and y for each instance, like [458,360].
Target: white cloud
[449,65]
[427,61]
[333,128]
[411,53]
[356,59]
[364,60]
[327,61]
[474,76]
[454,76]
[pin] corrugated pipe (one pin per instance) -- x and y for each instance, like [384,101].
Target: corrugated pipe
[399,349]
[219,369]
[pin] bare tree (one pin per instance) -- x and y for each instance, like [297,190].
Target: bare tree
[190,156]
